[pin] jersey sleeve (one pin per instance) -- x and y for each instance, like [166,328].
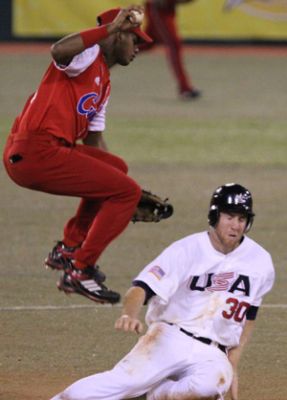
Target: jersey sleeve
[80,62]
[266,283]
[252,313]
[165,273]
[148,292]
[98,123]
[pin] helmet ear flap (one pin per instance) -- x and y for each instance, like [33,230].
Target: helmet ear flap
[249,223]
[213,215]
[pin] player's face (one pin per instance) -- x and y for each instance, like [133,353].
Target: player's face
[126,48]
[229,231]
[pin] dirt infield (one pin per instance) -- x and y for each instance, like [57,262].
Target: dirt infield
[49,342]
[236,132]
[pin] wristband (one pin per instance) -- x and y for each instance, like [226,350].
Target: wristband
[92,36]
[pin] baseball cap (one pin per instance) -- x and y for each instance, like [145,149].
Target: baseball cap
[108,16]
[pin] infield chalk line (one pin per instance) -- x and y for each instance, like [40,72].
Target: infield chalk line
[86,306]
[49,308]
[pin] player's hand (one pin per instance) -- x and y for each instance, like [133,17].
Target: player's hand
[123,20]
[128,324]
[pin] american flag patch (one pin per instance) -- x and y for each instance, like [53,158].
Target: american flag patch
[220,281]
[157,272]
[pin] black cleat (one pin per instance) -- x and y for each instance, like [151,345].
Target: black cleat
[60,258]
[192,94]
[57,257]
[87,282]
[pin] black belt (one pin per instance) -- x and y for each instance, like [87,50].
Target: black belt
[205,340]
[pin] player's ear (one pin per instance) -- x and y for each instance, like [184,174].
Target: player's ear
[120,36]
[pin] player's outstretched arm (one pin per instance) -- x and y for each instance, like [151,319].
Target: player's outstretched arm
[235,355]
[133,302]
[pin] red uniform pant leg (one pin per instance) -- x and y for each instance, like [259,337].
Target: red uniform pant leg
[77,227]
[83,172]
[162,27]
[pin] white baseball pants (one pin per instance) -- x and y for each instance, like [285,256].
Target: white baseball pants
[165,363]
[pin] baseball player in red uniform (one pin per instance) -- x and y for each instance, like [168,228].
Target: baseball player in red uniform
[162,27]
[203,293]
[43,153]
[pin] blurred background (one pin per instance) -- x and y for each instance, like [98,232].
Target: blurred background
[199,21]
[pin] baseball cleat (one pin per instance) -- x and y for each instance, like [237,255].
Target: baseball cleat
[57,257]
[192,94]
[88,283]
[60,259]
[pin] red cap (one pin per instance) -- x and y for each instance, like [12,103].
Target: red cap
[108,16]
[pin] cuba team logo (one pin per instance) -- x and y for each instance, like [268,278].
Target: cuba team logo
[267,9]
[87,105]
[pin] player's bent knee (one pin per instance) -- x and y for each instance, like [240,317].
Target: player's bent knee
[115,161]
[135,191]
[211,388]
[121,165]
[118,163]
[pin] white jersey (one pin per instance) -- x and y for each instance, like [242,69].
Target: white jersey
[207,292]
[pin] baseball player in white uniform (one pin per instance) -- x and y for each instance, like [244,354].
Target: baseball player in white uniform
[203,293]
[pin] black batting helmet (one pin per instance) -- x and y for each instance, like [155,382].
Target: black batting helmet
[234,198]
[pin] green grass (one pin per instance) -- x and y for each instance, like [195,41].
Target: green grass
[247,142]
[240,119]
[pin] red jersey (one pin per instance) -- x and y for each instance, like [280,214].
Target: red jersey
[71,100]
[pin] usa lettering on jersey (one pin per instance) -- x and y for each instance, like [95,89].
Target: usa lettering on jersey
[220,281]
[228,281]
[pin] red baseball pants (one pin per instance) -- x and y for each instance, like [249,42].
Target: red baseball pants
[161,26]
[109,197]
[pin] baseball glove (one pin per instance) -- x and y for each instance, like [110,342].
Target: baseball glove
[151,208]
